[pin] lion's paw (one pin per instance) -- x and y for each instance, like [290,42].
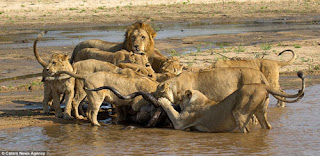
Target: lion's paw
[80,117]
[164,101]
[59,114]
[67,116]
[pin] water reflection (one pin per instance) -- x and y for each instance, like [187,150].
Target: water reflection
[295,132]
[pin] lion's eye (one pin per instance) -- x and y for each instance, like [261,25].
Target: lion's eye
[147,65]
[54,63]
[143,37]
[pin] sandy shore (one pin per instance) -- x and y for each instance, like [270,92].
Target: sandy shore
[26,16]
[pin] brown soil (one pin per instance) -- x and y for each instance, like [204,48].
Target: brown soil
[29,16]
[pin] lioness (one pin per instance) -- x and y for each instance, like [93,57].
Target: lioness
[162,64]
[146,70]
[216,83]
[90,66]
[202,114]
[270,68]
[63,85]
[118,57]
[122,83]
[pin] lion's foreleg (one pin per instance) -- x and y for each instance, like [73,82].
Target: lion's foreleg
[67,110]
[80,94]
[179,120]
[47,97]
[56,104]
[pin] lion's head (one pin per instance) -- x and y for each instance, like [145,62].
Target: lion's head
[194,98]
[138,58]
[169,90]
[58,62]
[172,65]
[139,38]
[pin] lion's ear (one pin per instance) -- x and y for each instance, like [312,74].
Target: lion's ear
[154,35]
[65,57]
[131,53]
[174,58]
[188,93]
[138,70]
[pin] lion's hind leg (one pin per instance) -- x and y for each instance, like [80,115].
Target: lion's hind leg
[241,120]
[95,100]
[261,115]
[80,94]
[252,99]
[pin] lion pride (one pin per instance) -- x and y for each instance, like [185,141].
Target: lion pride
[235,111]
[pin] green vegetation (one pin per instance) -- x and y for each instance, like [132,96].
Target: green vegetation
[303,59]
[73,8]
[36,83]
[240,48]
[266,46]
[198,48]
[101,7]
[296,46]
[173,52]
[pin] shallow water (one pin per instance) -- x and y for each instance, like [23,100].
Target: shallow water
[72,37]
[296,131]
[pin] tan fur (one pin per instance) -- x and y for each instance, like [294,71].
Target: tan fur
[118,57]
[162,64]
[90,66]
[53,89]
[122,83]
[270,68]
[145,70]
[59,62]
[235,111]
[215,83]
[139,38]
[161,77]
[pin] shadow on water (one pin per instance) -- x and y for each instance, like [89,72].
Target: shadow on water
[295,132]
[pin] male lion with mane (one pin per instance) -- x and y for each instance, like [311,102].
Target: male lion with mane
[235,111]
[139,38]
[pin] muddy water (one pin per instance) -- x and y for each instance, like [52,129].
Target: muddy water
[296,131]
[115,33]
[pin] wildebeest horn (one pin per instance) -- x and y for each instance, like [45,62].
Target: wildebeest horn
[147,96]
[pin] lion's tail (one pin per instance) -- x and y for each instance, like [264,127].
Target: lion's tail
[289,61]
[77,76]
[35,51]
[299,95]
